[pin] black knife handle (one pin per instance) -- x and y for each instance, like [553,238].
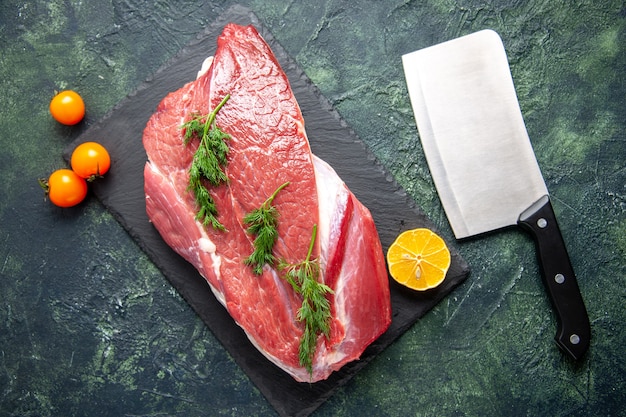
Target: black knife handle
[573,332]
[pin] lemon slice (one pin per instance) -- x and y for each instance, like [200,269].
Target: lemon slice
[418,259]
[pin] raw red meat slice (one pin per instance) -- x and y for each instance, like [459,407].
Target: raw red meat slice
[268,147]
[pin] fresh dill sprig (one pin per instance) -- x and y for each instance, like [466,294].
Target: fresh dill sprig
[208,162]
[263,223]
[315,309]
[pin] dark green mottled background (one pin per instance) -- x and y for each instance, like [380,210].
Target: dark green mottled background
[89,327]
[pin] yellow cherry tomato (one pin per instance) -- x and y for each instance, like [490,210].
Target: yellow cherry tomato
[67,107]
[65,188]
[90,160]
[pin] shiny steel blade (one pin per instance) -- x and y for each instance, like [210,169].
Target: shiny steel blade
[473,132]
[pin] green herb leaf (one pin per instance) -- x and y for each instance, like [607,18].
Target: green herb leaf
[208,162]
[263,223]
[315,309]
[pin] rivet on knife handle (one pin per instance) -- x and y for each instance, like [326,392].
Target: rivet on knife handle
[573,332]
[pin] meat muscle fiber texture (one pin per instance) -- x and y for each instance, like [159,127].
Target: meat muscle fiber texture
[268,147]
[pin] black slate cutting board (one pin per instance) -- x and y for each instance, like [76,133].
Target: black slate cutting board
[121,192]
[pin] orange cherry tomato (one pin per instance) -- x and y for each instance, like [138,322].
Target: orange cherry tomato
[90,160]
[65,188]
[67,107]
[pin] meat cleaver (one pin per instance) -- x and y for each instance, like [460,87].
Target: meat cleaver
[483,164]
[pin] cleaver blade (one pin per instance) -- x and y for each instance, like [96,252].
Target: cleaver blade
[483,164]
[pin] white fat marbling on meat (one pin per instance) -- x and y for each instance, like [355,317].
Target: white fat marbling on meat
[329,191]
[206,245]
[206,64]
